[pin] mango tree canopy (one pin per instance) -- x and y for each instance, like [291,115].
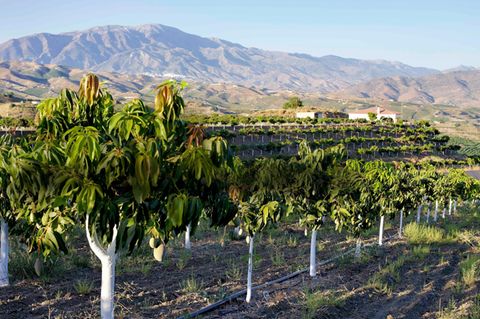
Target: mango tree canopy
[136,170]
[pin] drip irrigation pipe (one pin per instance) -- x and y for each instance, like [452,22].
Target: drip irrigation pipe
[240,293]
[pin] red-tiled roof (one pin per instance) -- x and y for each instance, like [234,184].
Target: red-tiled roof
[374,110]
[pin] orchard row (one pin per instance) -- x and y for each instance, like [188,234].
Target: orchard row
[141,174]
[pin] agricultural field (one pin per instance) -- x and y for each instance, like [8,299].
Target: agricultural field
[431,272]
[256,136]
[130,211]
[361,140]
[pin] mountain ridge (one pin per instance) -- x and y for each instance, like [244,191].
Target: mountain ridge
[453,88]
[159,50]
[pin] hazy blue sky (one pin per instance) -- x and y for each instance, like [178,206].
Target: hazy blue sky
[438,34]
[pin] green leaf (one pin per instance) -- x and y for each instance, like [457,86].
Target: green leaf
[175,209]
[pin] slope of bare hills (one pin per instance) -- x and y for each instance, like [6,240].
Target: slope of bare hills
[30,80]
[460,88]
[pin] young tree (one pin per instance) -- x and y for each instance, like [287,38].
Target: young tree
[215,157]
[354,206]
[310,177]
[258,192]
[24,199]
[406,191]
[117,173]
[6,215]
[424,182]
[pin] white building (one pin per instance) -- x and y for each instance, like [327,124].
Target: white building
[312,115]
[380,112]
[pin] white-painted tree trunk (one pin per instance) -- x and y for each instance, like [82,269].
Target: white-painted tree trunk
[3,253]
[358,248]
[250,268]
[380,232]
[444,212]
[435,215]
[454,206]
[108,259]
[236,231]
[313,254]
[428,215]
[419,211]
[450,207]
[400,230]
[188,244]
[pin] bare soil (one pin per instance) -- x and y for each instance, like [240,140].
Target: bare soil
[216,267]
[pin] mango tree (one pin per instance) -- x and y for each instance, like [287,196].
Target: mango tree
[6,143]
[405,188]
[382,179]
[24,199]
[201,173]
[424,182]
[460,185]
[354,207]
[258,191]
[8,152]
[308,189]
[117,173]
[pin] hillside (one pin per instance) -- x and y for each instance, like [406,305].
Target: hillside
[461,88]
[164,51]
[30,80]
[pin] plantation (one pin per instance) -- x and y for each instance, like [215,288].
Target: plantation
[138,213]
[216,267]
[362,140]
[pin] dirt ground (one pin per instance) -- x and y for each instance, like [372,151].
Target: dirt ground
[398,280]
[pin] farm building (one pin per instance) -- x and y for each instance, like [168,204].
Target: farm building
[312,115]
[380,112]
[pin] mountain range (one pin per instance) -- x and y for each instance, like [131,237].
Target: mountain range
[132,60]
[30,80]
[163,51]
[460,88]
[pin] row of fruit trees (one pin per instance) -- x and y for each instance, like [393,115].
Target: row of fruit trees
[141,174]
[365,140]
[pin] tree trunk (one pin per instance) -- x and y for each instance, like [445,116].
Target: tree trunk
[358,248]
[450,207]
[454,206]
[236,232]
[419,211]
[250,268]
[108,258]
[380,232]
[400,230]
[313,254]
[435,216]
[3,253]
[443,212]
[188,244]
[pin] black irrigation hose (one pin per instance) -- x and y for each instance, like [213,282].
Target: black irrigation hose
[268,283]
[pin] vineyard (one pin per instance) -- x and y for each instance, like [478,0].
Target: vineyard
[138,213]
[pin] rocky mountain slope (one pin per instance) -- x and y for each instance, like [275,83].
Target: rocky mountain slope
[460,88]
[30,80]
[164,51]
